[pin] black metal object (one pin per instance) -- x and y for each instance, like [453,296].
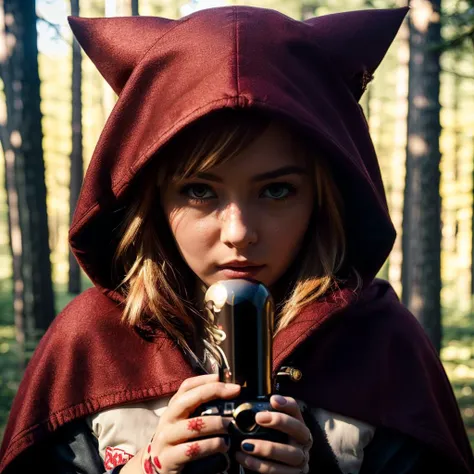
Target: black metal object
[244,312]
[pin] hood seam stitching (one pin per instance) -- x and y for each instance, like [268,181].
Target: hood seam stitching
[236,52]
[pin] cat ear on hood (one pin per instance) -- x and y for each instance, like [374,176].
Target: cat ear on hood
[116,45]
[356,42]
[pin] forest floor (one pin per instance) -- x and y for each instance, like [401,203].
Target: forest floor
[457,356]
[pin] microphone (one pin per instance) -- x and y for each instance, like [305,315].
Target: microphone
[243,311]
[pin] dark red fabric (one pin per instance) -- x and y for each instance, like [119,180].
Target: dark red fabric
[362,354]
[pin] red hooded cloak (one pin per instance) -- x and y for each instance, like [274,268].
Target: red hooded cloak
[169,73]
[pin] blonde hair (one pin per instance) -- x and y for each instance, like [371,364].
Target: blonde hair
[157,284]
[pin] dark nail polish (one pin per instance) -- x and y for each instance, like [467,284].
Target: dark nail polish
[248,447]
[226,440]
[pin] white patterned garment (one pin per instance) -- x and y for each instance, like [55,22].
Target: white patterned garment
[122,431]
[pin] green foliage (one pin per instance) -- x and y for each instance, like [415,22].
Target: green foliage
[10,372]
[458,360]
[9,357]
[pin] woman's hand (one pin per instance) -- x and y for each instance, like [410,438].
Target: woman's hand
[275,458]
[175,441]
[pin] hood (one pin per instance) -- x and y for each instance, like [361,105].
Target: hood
[169,73]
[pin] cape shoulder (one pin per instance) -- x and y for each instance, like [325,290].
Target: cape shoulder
[88,361]
[383,370]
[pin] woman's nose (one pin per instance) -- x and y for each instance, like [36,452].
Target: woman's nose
[236,230]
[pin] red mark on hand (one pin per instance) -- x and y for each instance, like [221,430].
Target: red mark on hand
[156,462]
[147,466]
[150,466]
[196,424]
[193,450]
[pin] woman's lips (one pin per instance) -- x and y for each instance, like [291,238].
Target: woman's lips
[241,271]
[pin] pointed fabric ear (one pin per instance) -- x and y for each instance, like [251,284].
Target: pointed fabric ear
[356,42]
[116,45]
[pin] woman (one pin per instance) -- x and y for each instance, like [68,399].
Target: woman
[237,148]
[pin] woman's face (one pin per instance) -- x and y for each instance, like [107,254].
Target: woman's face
[245,218]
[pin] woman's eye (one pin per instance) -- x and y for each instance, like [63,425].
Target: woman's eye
[279,191]
[197,192]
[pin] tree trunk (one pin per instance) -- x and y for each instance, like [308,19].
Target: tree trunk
[74,282]
[472,235]
[421,274]
[111,9]
[25,181]
[307,10]
[11,194]
[457,124]
[397,171]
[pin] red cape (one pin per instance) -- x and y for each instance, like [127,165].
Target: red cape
[88,362]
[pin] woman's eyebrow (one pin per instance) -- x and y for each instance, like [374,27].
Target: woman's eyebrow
[284,171]
[279,172]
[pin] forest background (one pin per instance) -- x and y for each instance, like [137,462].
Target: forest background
[420,110]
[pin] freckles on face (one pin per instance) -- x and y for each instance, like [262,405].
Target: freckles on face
[254,209]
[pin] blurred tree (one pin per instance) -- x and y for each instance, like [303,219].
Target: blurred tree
[395,175]
[462,19]
[74,280]
[472,233]
[135,8]
[112,8]
[457,138]
[21,140]
[308,9]
[460,26]
[421,273]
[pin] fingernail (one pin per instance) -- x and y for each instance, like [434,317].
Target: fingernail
[248,447]
[263,417]
[226,440]
[231,386]
[280,400]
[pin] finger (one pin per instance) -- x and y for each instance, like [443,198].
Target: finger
[283,453]
[176,456]
[198,427]
[286,405]
[188,401]
[194,382]
[264,466]
[286,424]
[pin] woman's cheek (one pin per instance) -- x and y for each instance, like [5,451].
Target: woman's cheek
[195,240]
